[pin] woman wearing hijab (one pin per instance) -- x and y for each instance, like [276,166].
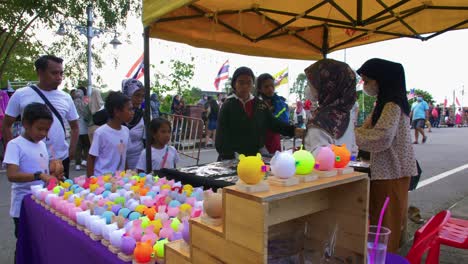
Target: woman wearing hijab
[155,104]
[95,104]
[134,89]
[300,114]
[82,146]
[333,84]
[386,135]
[244,119]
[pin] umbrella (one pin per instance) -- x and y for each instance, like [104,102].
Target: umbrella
[298,29]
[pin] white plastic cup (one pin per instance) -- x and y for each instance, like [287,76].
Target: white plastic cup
[380,251]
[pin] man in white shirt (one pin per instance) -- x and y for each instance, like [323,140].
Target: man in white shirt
[50,73]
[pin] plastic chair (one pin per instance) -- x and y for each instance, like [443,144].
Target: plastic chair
[428,240]
[454,233]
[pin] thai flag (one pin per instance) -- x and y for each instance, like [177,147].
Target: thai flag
[137,70]
[456,101]
[223,74]
[412,94]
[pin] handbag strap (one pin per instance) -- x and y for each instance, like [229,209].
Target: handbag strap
[51,107]
[163,163]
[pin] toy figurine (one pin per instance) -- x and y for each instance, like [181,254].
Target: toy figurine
[283,164]
[213,204]
[251,169]
[342,156]
[305,161]
[325,159]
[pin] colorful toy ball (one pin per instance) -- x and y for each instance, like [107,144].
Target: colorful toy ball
[186,231]
[251,169]
[159,247]
[342,156]
[305,161]
[325,159]
[134,216]
[283,164]
[107,215]
[142,252]
[124,212]
[128,245]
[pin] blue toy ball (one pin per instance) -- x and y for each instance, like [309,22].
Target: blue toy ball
[108,186]
[124,212]
[106,193]
[108,216]
[174,203]
[134,216]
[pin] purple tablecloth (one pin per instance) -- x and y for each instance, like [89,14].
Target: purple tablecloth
[45,238]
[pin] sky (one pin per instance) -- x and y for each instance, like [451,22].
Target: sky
[439,66]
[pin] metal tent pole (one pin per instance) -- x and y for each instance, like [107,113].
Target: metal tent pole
[147,114]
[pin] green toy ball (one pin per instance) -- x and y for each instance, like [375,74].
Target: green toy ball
[159,247]
[145,221]
[305,161]
[120,200]
[175,224]
[56,189]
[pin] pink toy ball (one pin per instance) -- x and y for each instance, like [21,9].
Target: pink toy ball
[325,159]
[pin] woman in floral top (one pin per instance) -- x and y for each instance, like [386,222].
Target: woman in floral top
[386,135]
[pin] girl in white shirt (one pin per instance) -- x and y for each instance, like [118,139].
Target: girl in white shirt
[26,156]
[162,155]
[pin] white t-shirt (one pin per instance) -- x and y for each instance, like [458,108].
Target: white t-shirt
[157,156]
[56,142]
[30,157]
[135,144]
[110,149]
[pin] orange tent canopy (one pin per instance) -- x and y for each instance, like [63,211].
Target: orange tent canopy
[298,29]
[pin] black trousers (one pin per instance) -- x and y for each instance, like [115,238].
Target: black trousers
[66,167]
[16,221]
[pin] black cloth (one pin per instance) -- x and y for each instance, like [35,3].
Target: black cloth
[136,118]
[236,132]
[16,221]
[390,77]
[66,167]
[100,117]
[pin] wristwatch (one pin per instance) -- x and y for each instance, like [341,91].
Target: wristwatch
[37,175]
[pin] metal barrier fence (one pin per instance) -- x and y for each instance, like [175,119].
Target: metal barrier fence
[187,135]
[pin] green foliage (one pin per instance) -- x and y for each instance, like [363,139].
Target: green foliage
[366,104]
[425,95]
[227,85]
[21,19]
[299,86]
[177,82]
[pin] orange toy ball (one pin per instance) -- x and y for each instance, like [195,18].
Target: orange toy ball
[142,252]
[342,156]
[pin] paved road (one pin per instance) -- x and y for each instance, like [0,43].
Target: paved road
[445,150]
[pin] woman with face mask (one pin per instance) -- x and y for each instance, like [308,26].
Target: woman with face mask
[333,84]
[386,135]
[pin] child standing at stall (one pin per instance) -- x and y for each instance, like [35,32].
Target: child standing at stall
[26,157]
[108,150]
[162,155]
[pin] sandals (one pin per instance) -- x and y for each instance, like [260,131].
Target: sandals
[415,142]
[414,214]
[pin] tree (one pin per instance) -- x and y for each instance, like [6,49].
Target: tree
[20,20]
[228,86]
[425,95]
[177,82]
[299,86]
[366,104]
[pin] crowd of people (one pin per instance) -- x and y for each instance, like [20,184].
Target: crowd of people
[109,135]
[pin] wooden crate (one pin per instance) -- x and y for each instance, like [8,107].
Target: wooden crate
[251,219]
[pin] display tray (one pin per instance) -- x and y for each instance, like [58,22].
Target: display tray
[212,175]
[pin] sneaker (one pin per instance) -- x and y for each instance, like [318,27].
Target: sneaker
[424,139]
[77,167]
[83,163]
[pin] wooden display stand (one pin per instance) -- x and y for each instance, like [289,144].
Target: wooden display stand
[251,219]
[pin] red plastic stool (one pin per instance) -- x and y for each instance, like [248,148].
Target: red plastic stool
[455,233]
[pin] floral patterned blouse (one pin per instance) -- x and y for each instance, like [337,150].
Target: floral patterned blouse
[389,142]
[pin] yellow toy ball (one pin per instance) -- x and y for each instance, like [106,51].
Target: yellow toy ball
[185,207]
[93,187]
[78,201]
[251,169]
[140,208]
[166,187]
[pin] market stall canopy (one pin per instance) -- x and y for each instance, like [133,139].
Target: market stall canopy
[298,29]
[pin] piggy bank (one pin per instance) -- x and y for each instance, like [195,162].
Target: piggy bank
[283,164]
[305,161]
[325,159]
[142,252]
[251,169]
[213,204]
[342,156]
